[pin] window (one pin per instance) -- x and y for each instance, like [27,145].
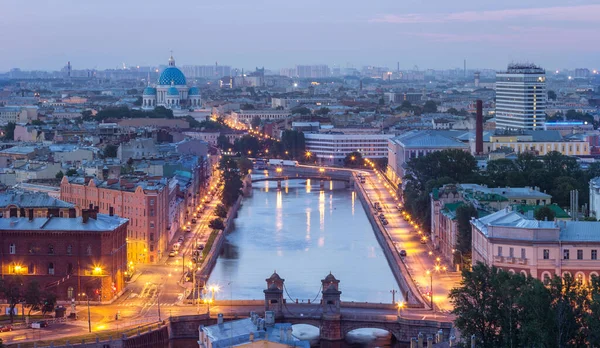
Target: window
[511,252]
[31,268]
[523,253]
[70,292]
[151,235]
[566,254]
[51,268]
[594,254]
[579,254]
[51,249]
[151,247]
[69,268]
[88,251]
[12,249]
[546,254]
[69,249]
[152,202]
[151,224]
[499,251]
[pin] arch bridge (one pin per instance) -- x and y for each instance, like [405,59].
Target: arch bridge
[334,323]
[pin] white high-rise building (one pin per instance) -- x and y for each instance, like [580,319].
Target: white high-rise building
[521,97]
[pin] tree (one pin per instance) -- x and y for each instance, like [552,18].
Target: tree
[12,290]
[37,123]
[110,151]
[244,165]
[294,143]
[562,186]
[221,211]
[247,145]
[9,131]
[232,187]
[138,101]
[497,171]
[300,110]
[247,107]
[551,95]
[430,107]
[223,143]
[406,106]
[255,123]
[544,214]
[323,111]
[49,302]
[216,224]
[59,175]
[71,172]
[464,213]
[33,295]
[353,159]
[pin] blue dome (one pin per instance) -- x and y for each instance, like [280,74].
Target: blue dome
[172,91]
[171,74]
[194,91]
[149,91]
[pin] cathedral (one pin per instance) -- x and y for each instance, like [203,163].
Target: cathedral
[171,91]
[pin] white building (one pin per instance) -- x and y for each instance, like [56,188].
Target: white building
[595,197]
[521,97]
[247,116]
[171,91]
[332,147]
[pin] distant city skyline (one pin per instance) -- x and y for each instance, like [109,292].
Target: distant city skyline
[281,34]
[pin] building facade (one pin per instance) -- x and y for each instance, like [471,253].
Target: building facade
[331,148]
[67,255]
[415,144]
[521,97]
[540,249]
[144,203]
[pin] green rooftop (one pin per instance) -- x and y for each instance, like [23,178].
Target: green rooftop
[559,213]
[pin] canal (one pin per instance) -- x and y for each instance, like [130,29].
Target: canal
[303,233]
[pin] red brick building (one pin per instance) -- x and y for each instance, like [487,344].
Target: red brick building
[144,202]
[67,255]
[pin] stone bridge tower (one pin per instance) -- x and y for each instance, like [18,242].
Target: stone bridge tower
[274,295]
[331,326]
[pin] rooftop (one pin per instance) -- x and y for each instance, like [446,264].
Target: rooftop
[237,332]
[428,139]
[103,223]
[32,200]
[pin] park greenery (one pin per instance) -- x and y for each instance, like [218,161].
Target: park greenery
[232,180]
[14,291]
[353,160]
[502,309]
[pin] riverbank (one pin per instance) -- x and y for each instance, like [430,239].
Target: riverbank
[410,292]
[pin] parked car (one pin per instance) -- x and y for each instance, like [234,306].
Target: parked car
[403,253]
[384,222]
[200,247]
[181,239]
[5,328]
[188,228]
[38,324]
[193,221]
[172,254]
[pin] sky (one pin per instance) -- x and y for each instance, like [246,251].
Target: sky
[438,34]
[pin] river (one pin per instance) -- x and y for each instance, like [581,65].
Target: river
[303,233]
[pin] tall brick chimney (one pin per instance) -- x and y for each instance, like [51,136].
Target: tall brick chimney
[479,128]
[72,213]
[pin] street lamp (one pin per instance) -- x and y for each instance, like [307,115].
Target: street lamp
[88,306]
[400,306]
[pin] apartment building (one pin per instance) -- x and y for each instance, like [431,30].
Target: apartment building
[144,202]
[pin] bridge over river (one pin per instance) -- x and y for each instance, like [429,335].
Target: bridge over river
[334,318]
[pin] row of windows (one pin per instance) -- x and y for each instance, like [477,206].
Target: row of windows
[546,253]
[14,268]
[33,249]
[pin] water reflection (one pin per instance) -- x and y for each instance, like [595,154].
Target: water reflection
[282,236]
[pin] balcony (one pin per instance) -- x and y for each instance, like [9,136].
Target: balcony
[522,261]
[498,259]
[510,260]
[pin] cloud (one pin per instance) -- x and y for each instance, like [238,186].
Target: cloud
[583,13]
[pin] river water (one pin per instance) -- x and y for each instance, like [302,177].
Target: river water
[303,233]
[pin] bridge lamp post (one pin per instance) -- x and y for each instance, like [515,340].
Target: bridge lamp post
[400,305]
[430,273]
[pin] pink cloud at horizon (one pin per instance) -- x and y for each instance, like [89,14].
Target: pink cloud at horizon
[582,13]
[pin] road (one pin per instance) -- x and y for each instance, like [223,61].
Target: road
[420,258]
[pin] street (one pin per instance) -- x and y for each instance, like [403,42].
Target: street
[420,259]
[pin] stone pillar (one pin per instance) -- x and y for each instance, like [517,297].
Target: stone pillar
[331,326]
[322,184]
[279,185]
[274,295]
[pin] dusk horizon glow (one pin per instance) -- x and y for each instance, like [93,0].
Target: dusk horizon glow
[275,34]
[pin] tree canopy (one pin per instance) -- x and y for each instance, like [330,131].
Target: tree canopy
[503,309]
[353,159]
